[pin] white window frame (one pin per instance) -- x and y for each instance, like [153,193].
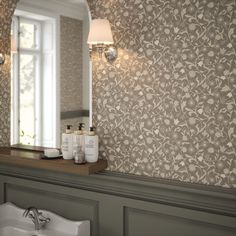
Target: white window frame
[44,136]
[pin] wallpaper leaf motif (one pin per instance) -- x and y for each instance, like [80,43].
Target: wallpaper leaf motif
[166,107]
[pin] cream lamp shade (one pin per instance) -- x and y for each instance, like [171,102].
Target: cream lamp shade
[100,32]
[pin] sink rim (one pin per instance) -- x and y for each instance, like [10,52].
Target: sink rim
[14,217]
[31,232]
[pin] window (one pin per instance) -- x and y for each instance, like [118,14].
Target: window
[33,82]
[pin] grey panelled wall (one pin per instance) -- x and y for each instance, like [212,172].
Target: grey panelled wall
[166,107]
[124,205]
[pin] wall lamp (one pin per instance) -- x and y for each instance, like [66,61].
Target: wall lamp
[2,58]
[100,38]
[13,50]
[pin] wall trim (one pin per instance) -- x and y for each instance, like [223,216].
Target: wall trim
[74,114]
[186,195]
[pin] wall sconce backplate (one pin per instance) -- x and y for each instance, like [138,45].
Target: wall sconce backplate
[110,53]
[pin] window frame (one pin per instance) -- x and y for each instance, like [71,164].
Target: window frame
[38,81]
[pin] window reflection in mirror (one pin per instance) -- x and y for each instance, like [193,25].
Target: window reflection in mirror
[33,70]
[41,79]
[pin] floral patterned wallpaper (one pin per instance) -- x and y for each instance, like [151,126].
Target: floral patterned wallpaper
[71,64]
[7,8]
[166,107]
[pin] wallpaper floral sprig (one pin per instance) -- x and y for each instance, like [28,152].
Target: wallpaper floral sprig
[166,107]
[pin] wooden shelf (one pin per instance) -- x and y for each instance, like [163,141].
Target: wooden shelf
[32,159]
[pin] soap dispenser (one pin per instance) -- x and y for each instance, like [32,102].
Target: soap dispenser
[78,145]
[91,146]
[67,143]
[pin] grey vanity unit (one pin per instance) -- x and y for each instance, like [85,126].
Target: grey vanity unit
[118,204]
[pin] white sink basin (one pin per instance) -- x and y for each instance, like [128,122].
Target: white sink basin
[12,223]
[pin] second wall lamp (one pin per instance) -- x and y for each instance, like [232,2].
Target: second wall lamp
[2,58]
[13,50]
[100,38]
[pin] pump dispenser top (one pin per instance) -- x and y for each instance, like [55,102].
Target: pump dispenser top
[92,131]
[68,129]
[80,130]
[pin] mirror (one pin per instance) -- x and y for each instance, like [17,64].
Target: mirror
[50,70]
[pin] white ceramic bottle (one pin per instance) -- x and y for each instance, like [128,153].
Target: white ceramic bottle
[78,145]
[91,146]
[67,143]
